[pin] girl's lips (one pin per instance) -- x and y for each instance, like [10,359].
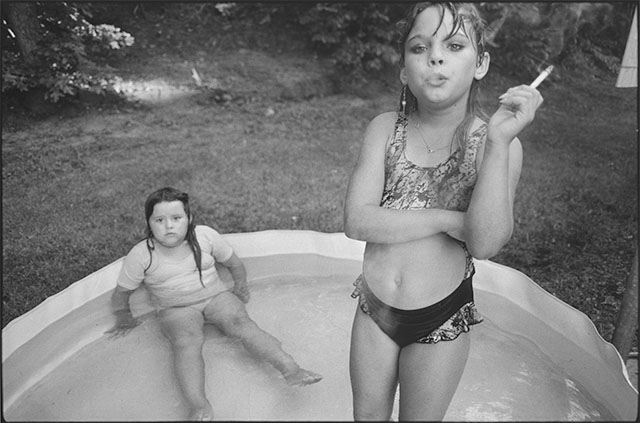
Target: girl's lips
[436,80]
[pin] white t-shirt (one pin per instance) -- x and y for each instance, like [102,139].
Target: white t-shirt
[176,283]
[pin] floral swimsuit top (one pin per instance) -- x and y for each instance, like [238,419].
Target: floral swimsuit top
[448,185]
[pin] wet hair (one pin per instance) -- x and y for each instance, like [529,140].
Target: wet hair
[169,194]
[465,17]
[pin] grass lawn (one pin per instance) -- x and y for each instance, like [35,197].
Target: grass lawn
[279,155]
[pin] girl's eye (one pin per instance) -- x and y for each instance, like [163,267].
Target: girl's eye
[456,46]
[417,49]
[158,220]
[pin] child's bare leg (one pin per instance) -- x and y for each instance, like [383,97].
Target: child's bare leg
[228,313]
[183,327]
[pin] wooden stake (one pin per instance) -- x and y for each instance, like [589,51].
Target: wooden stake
[627,322]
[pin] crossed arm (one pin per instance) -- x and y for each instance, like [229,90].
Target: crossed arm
[365,220]
[488,223]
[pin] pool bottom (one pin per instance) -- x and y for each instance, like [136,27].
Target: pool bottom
[507,376]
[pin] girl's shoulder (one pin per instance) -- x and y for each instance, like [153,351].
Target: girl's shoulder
[476,139]
[478,125]
[213,242]
[476,135]
[206,234]
[205,230]
[140,246]
[381,128]
[139,252]
[384,120]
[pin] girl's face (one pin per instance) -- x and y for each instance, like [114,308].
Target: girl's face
[439,68]
[169,223]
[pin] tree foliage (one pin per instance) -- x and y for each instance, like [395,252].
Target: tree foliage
[523,37]
[361,37]
[527,36]
[67,53]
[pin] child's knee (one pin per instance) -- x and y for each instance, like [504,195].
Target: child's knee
[239,326]
[372,413]
[183,335]
[187,339]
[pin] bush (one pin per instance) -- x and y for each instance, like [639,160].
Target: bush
[71,55]
[360,37]
[529,36]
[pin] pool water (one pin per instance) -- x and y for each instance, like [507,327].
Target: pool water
[507,377]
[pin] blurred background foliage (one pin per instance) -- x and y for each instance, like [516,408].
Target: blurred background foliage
[59,49]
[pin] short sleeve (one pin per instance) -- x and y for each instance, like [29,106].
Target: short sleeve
[132,272]
[212,241]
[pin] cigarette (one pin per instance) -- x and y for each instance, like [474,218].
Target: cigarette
[543,75]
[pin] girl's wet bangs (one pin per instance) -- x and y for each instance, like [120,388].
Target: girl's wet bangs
[461,13]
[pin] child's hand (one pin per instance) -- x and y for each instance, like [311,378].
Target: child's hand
[124,323]
[241,290]
[517,109]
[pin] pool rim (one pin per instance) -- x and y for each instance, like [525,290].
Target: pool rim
[249,244]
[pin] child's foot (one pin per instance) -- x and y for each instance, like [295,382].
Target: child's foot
[201,414]
[301,377]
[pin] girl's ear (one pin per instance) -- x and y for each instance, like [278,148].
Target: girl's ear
[483,66]
[403,76]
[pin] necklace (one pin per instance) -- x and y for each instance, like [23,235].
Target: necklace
[429,149]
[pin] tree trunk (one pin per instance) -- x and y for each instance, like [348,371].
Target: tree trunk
[22,18]
[627,323]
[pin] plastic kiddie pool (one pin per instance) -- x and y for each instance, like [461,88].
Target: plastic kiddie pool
[533,358]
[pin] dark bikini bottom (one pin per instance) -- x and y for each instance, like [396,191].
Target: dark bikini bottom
[442,321]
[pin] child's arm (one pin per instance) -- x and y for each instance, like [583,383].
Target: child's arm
[365,219]
[120,307]
[239,275]
[489,219]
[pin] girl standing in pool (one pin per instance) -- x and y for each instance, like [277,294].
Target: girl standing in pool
[433,187]
[176,262]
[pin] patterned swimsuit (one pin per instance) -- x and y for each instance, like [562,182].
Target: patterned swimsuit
[449,186]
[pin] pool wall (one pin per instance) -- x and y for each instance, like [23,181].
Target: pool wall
[605,375]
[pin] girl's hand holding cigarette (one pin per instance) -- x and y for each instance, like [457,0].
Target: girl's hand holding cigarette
[517,109]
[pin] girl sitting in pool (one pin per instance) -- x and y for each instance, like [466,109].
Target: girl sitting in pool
[176,262]
[434,185]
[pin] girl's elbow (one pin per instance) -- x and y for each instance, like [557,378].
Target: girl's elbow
[482,252]
[485,249]
[351,230]
[119,292]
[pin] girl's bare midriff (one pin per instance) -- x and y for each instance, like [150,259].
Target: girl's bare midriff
[414,274]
